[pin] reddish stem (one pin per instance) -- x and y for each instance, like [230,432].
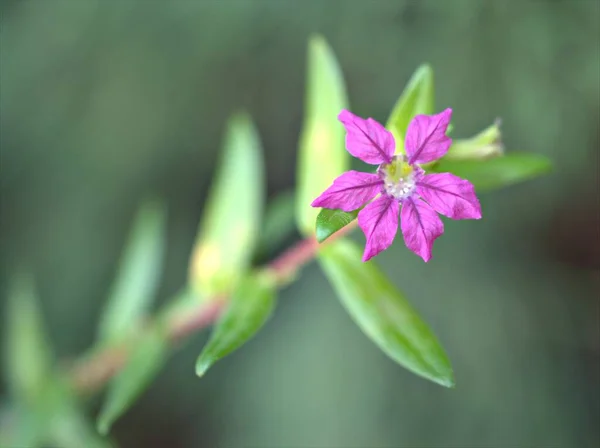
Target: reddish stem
[90,374]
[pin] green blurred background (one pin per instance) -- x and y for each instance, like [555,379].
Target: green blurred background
[103,103]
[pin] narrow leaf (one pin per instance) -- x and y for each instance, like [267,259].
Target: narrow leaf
[28,355]
[498,172]
[417,98]
[228,231]
[145,360]
[249,309]
[138,276]
[330,221]
[383,313]
[322,156]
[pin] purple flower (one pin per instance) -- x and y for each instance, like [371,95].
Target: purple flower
[406,192]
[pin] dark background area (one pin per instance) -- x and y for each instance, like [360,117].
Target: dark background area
[104,103]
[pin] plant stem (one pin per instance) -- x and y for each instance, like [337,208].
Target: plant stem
[91,373]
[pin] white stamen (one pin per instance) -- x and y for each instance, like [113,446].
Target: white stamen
[395,184]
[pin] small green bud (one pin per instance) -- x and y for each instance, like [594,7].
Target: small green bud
[485,145]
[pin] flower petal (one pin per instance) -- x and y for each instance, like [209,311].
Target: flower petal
[426,138]
[450,195]
[420,227]
[379,222]
[350,191]
[367,139]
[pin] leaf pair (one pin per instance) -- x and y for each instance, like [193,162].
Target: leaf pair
[229,235]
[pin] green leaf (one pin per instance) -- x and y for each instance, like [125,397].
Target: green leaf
[417,98]
[249,309]
[138,276]
[322,156]
[383,313]
[498,172]
[145,360]
[228,232]
[28,355]
[330,221]
[278,222]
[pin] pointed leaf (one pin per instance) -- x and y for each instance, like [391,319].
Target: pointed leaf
[498,172]
[417,98]
[249,309]
[28,355]
[138,276]
[322,156]
[228,231]
[330,221]
[383,313]
[145,360]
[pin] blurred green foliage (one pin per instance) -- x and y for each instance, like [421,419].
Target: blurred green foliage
[138,275]
[102,102]
[232,217]
[418,97]
[321,153]
[145,359]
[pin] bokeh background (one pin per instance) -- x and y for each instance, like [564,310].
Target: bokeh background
[105,102]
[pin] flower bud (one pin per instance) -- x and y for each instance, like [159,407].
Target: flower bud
[485,145]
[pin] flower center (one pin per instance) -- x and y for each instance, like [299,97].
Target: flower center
[398,177]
